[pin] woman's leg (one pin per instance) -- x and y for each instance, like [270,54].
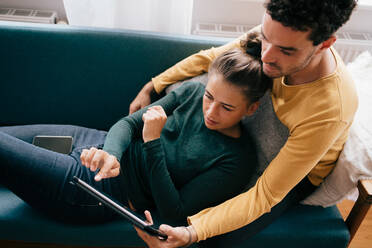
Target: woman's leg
[82,136]
[41,177]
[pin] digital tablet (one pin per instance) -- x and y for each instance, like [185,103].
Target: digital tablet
[118,208]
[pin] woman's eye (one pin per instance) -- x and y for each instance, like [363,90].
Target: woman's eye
[208,96]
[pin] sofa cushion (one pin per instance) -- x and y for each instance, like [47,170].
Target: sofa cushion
[59,73]
[303,226]
[306,225]
[20,222]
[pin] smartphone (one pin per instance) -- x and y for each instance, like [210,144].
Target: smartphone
[61,144]
[118,208]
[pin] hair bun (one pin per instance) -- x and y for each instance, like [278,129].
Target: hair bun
[252,44]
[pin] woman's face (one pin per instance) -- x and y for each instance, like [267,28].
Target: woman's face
[224,105]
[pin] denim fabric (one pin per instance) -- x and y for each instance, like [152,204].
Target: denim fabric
[42,178]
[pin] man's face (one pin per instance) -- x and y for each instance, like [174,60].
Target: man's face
[284,50]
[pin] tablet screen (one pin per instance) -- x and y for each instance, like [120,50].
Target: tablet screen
[118,208]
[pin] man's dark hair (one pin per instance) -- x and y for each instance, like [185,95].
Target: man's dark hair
[322,17]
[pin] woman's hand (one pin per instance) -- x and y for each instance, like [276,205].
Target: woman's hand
[154,120]
[177,236]
[95,159]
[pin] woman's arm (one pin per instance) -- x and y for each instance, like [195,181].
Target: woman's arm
[121,134]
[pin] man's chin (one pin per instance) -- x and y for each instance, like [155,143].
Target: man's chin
[271,72]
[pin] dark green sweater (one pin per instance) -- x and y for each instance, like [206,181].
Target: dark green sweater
[187,169]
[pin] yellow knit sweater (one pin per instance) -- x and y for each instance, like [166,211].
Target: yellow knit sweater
[318,116]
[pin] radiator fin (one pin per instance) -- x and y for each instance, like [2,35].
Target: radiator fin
[28,15]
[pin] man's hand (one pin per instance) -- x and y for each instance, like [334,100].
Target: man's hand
[154,120]
[177,236]
[107,164]
[142,99]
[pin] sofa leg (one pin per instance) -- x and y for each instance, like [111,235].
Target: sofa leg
[360,208]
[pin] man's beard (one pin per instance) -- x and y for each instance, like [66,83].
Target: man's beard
[278,72]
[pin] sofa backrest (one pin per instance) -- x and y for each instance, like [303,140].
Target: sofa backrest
[83,76]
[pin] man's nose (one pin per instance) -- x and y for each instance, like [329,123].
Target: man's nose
[268,53]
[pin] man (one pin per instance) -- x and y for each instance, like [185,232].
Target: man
[312,95]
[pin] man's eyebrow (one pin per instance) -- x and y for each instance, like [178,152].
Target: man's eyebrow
[291,49]
[220,102]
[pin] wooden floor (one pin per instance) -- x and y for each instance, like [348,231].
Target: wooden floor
[363,238]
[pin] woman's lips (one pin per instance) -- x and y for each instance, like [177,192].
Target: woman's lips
[210,122]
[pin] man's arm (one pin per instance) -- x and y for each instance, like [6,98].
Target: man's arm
[142,99]
[301,153]
[193,65]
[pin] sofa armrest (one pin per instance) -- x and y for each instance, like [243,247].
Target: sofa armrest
[360,208]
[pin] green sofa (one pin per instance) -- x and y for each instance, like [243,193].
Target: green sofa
[85,76]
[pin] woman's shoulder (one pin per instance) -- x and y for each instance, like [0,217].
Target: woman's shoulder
[189,89]
[192,86]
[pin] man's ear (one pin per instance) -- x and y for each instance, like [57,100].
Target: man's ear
[252,108]
[328,43]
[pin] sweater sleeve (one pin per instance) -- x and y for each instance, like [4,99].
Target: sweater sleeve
[122,132]
[195,64]
[301,153]
[224,180]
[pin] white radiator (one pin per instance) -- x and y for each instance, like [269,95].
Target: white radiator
[349,45]
[28,15]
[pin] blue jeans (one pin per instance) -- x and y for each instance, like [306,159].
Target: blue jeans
[41,177]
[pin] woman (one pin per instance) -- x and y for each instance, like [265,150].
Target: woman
[184,153]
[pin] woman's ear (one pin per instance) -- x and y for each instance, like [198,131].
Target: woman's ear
[252,108]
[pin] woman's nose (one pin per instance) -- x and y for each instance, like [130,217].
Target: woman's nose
[212,110]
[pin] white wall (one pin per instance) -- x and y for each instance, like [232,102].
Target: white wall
[228,12]
[171,16]
[360,20]
[56,5]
